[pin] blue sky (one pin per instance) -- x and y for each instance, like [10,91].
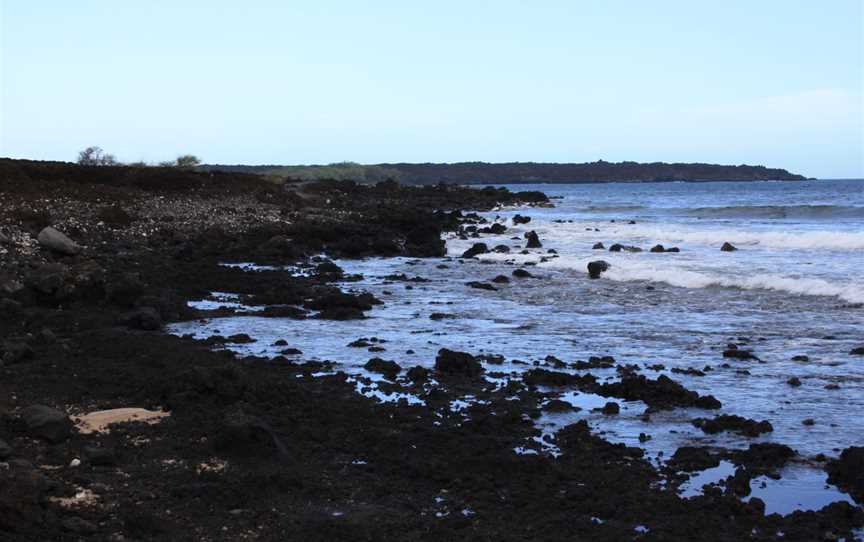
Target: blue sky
[777,83]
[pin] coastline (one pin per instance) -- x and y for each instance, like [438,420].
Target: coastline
[265,449]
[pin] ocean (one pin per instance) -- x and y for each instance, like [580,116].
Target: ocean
[794,288]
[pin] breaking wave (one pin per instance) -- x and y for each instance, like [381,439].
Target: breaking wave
[777,211]
[685,278]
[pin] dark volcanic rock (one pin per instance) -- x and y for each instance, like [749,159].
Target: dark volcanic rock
[5,450]
[763,456]
[452,363]
[663,393]
[522,274]
[144,318]
[495,229]
[501,249]
[501,279]
[610,408]
[519,219]
[691,458]
[728,247]
[658,248]
[21,501]
[417,374]
[598,246]
[441,316]
[737,424]
[243,434]
[386,367]
[847,472]
[533,240]
[859,351]
[476,248]
[794,382]
[557,405]
[57,242]
[596,268]
[480,285]
[47,423]
[15,352]
[734,352]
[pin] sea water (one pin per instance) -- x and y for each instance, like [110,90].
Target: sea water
[794,287]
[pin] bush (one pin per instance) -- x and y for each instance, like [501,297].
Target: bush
[95,156]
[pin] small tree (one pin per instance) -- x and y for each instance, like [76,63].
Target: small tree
[187,161]
[95,156]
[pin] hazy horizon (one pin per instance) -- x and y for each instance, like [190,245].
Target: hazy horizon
[779,84]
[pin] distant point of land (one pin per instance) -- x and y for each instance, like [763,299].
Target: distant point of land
[520,172]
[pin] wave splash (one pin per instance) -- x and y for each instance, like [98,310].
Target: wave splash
[685,278]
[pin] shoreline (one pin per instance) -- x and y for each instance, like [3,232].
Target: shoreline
[264,449]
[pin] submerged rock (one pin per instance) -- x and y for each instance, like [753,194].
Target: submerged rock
[728,247]
[857,351]
[596,268]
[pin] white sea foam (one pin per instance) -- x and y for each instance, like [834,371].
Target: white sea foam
[655,233]
[633,270]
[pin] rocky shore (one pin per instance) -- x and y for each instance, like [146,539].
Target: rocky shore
[94,262]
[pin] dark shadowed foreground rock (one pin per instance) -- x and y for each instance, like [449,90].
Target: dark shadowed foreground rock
[453,363]
[57,242]
[21,499]
[596,268]
[47,423]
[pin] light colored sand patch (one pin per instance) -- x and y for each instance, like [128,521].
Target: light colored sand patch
[98,422]
[84,497]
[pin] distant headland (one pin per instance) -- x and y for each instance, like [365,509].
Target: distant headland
[520,172]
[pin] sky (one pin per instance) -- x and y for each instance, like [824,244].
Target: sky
[777,83]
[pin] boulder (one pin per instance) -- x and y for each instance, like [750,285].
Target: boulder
[611,408]
[522,274]
[598,246]
[5,450]
[519,219]
[658,248]
[501,279]
[859,351]
[15,352]
[476,248]
[46,423]
[480,285]
[417,374]
[501,249]
[596,268]
[58,242]
[385,367]
[144,318]
[451,363]
[533,240]
[21,500]
[728,247]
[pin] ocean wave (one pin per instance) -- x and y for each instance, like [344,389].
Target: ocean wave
[686,278]
[657,233]
[775,211]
